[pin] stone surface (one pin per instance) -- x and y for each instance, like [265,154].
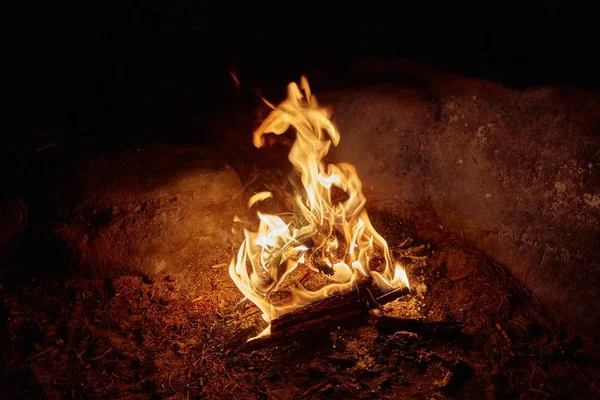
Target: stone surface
[518,171]
[154,209]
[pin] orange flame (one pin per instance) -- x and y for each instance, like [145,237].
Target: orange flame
[339,233]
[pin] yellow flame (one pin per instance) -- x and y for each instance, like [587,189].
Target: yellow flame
[259,197]
[339,233]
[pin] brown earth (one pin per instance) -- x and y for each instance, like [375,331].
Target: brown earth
[125,328]
[133,338]
[142,211]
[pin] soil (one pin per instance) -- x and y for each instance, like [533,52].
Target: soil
[163,337]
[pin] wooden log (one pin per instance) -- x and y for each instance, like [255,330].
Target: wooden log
[326,314]
[392,295]
[341,309]
[339,306]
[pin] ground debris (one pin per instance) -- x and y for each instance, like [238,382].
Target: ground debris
[133,338]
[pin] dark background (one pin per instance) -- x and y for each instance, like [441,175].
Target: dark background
[119,74]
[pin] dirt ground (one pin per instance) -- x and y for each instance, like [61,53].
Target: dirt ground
[165,338]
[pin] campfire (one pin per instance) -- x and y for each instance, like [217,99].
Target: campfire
[182,219]
[327,234]
[157,316]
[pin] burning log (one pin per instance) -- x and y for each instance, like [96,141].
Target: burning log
[327,231]
[344,308]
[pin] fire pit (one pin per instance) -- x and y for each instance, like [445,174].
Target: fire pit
[315,293]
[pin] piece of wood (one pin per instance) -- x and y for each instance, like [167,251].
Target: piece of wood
[345,308]
[392,295]
[322,315]
[339,306]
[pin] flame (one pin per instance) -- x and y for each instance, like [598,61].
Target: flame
[322,234]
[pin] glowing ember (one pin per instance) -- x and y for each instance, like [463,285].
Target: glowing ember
[332,238]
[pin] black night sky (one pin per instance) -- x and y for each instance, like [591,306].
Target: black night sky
[113,73]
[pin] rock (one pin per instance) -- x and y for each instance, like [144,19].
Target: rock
[159,208]
[403,339]
[517,170]
[455,377]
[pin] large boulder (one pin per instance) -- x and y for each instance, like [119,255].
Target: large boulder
[143,211]
[518,171]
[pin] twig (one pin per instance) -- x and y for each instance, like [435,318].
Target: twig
[503,332]
[201,359]
[45,147]
[408,239]
[40,354]
[170,385]
[415,257]
[314,388]
[103,354]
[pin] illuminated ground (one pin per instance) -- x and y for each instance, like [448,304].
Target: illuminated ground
[133,338]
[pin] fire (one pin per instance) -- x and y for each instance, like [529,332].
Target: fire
[331,237]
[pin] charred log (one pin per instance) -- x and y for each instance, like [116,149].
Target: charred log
[341,309]
[323,315]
